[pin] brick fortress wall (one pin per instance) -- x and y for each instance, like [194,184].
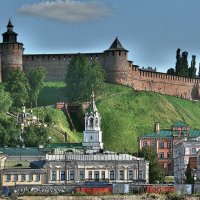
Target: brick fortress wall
[55,64]
[118,70]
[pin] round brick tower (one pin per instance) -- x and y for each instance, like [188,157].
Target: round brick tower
[11,52]
[116,64]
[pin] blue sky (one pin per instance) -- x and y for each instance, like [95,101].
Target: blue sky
[151,30]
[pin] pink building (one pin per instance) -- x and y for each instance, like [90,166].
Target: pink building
[163,141]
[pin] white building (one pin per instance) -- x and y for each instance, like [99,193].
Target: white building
[198,167]
[183,151]
[87,161]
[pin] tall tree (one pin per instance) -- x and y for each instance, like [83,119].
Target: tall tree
[199,70]
[36,81]
[156,171]
[83,77]
[184,64]
[18,87]
[189,179]
[192,69]
[178,61]
[6,101]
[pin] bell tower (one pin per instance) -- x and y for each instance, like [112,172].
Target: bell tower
[92,132]
[11,51]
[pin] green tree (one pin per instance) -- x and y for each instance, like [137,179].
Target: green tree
[35,135]
[184,64]
[192,69]
[6,101]
[199,70]
[156,171]
[171,71]
[189,179]
[18,87]
[9,132]
[83,77]
[178,61]
[36,81]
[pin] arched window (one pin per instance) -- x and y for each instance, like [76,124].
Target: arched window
[96,122]
[91,122]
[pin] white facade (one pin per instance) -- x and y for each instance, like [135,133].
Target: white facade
[183,150]
[91,162]
[110,167]
[92,134]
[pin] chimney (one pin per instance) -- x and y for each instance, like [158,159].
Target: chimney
[157,127]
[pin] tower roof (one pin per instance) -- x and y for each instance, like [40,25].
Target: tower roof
[92,108]
[10,36]
[116,45]
[9,23]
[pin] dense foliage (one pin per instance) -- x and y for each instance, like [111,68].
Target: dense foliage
[83,77]
[36,81]
[18,87]
[156,171]
[182,67]
[5,102]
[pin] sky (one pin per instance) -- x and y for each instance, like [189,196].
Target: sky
[151,30]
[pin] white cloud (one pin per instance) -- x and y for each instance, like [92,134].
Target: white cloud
[66,10]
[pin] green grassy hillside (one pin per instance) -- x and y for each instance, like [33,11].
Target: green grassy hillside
[58,125]
[127,114]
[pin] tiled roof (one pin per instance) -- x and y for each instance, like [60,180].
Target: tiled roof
[65,145]
[116,45]
[19,151]
[180,124]
[170,134]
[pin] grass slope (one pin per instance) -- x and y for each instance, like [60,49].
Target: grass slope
[58,125]
[127,114]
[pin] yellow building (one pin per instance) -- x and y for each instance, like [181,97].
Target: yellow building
[22,172]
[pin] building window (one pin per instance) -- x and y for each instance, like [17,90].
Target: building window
[144,143]
[23,177]
[31,177]
[96,175]
[53,175]
[71,175]
[103,175]
[130,174]
[193,150]
[152,143]
[169,155]
[161,155]
[82,175]
[37,178]
[90,175]
[161,145]
[8,178]
[112,175]
[62,177]
[121,174]
[169,144]
[15,178]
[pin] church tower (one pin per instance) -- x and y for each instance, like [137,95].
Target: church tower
[92,132]
[11,51]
